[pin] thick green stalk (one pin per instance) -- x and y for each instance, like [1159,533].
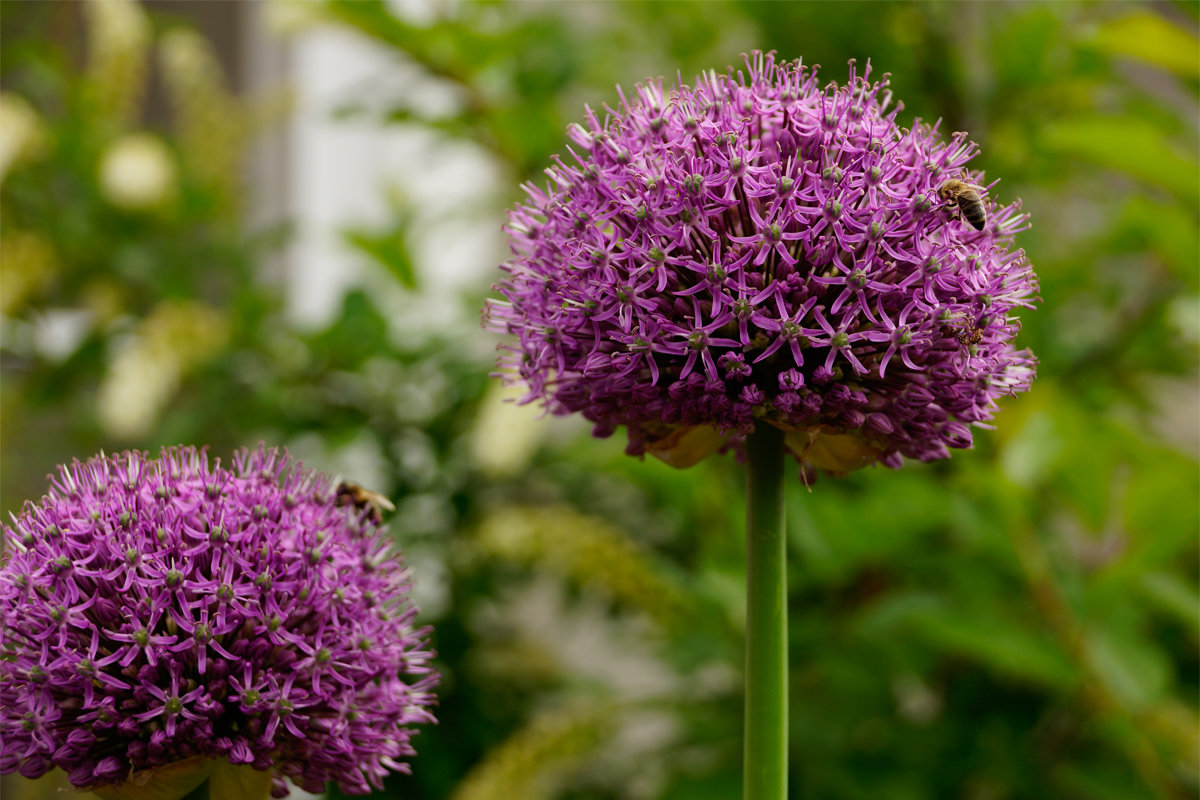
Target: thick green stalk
[766,732]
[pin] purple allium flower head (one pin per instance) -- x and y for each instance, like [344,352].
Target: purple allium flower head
[156,610]
[757,248]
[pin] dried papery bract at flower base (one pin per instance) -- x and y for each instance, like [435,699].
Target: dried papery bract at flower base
[757,249]
[167,621]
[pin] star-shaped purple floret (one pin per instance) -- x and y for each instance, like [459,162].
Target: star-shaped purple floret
[152,610]
[697,243]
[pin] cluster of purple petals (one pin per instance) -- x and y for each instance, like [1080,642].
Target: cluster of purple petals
[756,247]
[155,610]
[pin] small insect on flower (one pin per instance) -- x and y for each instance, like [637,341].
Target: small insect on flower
[351,494]
[966,330]
[969,201]
[170,620]
[715,256]
[970,336]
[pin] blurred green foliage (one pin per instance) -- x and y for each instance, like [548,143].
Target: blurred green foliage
[1021,621]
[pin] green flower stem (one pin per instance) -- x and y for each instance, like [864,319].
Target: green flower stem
[766,733]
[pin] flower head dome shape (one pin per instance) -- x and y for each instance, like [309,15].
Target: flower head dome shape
[158,610]
[757,248]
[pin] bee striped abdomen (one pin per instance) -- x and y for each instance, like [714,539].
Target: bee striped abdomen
[971,206]
[969,201]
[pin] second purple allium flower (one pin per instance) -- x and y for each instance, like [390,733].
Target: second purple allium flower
[756,248]
[154,611]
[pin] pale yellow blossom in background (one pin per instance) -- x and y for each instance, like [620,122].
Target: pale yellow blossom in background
[27,263]
[289,17]
[21,131]
[119,36]
[147,369]
[506,435]
[212,124]
[586,550]
[532,762]
[137,173]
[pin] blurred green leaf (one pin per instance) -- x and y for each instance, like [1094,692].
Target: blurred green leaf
[1173,595]
[360,331]
[1005,646]
[854,527]
[1131,669]
[1149,37]
[1133,146]
[1033,444]
[1162,524]
[1099,781]
[1028,47]
[1170,231]
[388,248]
